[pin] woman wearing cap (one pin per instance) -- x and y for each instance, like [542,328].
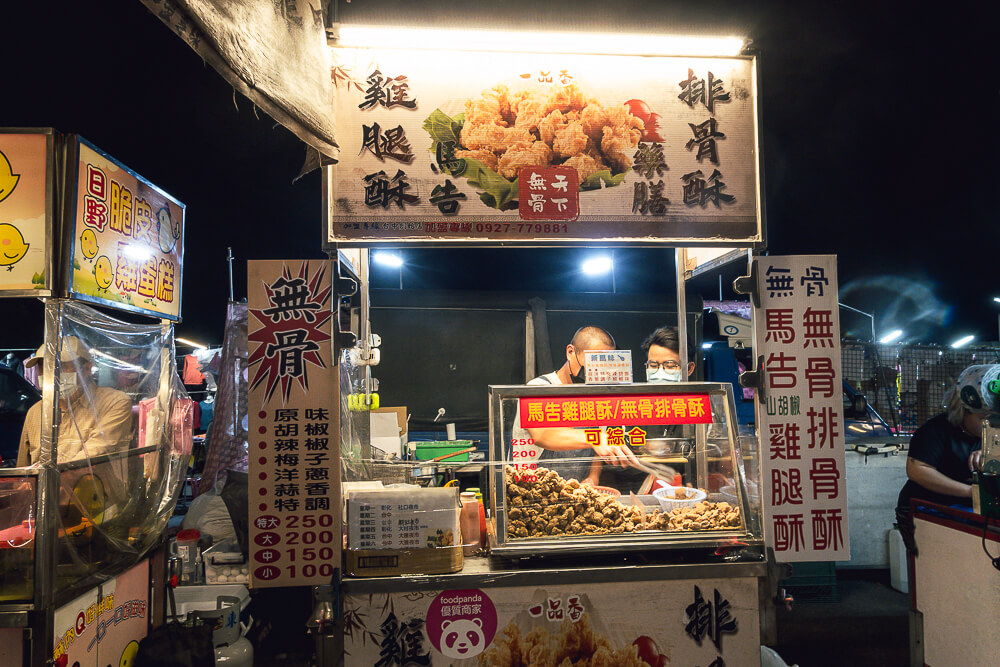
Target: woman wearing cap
[948,448]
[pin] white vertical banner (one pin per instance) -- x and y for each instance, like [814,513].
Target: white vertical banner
[801,421]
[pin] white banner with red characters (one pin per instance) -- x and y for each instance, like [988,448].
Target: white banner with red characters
[295,511]
[801,423]
[439,145]
[631,410]
[695,623]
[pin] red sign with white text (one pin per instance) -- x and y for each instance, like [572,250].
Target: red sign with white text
[551,193]
[576,411]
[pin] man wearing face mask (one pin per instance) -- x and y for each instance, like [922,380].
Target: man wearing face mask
[663,359]
[551,444]
[95,420]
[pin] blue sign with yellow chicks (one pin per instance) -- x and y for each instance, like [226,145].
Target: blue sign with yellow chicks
[26,210]
[127,245]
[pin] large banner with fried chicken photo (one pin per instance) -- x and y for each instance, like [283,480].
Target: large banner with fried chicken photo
[441,146]
[689,622]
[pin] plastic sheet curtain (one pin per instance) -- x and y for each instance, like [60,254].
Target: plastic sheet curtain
[116,425]
[227,435]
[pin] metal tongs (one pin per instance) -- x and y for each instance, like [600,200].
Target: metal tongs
[660,470]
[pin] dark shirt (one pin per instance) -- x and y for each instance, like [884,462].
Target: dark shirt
[947,448]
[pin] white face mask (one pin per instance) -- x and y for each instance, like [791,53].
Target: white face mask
[663,375]
[68,383]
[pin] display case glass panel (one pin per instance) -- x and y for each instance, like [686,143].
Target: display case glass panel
[616,468]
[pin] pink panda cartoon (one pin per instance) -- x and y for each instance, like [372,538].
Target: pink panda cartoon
[462,638]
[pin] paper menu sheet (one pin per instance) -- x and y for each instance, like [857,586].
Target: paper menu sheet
[410,518]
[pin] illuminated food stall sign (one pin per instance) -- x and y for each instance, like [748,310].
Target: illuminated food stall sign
[595,411]
[26,211]
[127,245]
[441,146]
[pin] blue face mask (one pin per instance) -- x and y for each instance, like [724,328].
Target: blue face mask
[663,375]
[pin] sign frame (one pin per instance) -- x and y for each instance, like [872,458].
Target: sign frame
[757,240]
[50,211]
[68,232]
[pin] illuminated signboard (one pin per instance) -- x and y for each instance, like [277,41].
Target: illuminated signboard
[445,146]
[127,245]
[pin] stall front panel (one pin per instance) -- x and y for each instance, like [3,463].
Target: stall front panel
[441,145]
[639,617]
[687,488]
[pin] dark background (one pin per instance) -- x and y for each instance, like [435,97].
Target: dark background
[878,136]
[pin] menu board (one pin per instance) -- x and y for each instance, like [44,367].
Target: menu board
[127,245]
[26,205]
[801,423]
[445,146]
[404,519]
[294,445]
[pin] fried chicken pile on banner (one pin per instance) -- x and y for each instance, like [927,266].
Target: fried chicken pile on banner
[508,131]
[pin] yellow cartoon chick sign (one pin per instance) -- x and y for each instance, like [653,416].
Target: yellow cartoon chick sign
[25,211]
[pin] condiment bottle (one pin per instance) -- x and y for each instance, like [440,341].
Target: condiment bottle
[482,517]
[469,522]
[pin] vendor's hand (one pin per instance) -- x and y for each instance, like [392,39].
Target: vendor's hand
[617,455]
[590,480]
[975,461]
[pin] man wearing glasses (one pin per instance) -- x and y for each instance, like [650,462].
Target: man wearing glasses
[663,359]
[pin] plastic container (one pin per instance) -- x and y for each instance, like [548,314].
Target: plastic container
[667,501]
[469,523]
[429,450]
[224,564]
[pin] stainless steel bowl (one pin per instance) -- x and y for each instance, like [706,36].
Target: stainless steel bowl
[665,446]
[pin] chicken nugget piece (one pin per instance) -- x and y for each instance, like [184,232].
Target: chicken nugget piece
[488,158]
[617,150]
[548,126]
[570,140]
[567,98]
[594,118]
[530,112]
[524,154]
[492,137]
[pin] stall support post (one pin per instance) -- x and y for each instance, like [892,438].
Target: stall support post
[680,259]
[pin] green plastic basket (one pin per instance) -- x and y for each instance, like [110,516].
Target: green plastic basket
[430,450]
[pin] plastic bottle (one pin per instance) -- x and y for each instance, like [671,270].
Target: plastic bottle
[469,522]
[482,517]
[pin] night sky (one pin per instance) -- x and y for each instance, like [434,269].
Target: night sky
[878,128]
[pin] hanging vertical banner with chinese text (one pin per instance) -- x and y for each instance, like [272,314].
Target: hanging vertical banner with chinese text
[801,421]
[439,145]
[293,448]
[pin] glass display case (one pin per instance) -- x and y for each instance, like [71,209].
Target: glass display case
[684,477]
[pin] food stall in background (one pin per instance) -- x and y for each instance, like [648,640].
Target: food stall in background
[81,519]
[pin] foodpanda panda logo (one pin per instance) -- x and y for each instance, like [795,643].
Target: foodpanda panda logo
[462,638]
[461,623]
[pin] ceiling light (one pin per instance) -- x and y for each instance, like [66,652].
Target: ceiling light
[596,266]
[963,341]
[361,36]
[891,337]
[388,259]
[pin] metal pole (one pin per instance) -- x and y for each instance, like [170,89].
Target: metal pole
[680,255]
[229,260]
